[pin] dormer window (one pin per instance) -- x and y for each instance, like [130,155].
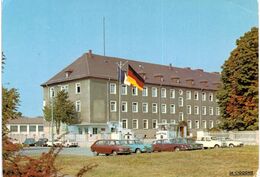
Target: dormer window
[67,73]
[176,79]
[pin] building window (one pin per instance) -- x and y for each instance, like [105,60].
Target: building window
[155,123]
[124,106]
[188,95]
[196,110]
[154,92]
[204,96]
[181,116]
[52,92]
[64,88]
[135,124]
[172,93]
[172,109]
[80,130]
[163,107]
[112,88]
[77,88]
[134,107]
[163,92]
[204,123]
[211,123]
[112,106]
[197,124]
[124,123]
[180,92]
[23,128]
[95,131]
[204,110]
[154,107]
[173,121]
[145,107]
[210,96]
[196,95]
[14,128]
[32,128]
[40,128]
[123,90]
[134,91]
[188,109]
[180,102]
[145,91]
[164,121]
[78,106]
[189,124]
[211,111]
[145,121]
[217,111]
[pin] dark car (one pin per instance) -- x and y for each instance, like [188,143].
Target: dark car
[189,143]
[109,147]
[29,142]
[168,145]
[42,142]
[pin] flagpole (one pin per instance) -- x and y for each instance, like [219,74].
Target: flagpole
[120,66]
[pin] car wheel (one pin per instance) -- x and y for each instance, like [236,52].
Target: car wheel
[114,153]
[95,153]
[216,146]
[231,145]
[138,151]
[177,149]
[107,154]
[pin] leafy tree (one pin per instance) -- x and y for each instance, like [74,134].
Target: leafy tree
[238,96]
[10,103]
[63,111]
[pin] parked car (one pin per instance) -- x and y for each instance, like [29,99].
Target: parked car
[137,146]
[168,145]
[55,143]
[232,143]
[70,143]
[109,147]
[191,144]
[29,142]
[42,142]
[211,142]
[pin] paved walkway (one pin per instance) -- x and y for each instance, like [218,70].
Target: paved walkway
[85,151]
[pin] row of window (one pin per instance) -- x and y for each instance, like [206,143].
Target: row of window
[135,123]
[124,108]
[66,89]
[23,128]
[163,92]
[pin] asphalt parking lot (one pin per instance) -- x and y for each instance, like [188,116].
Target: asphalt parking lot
[85,151]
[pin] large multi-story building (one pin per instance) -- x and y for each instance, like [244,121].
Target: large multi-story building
[170,94]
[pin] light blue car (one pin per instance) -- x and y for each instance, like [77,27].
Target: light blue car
[137,146]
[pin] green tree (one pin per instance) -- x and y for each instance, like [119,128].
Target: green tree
[10,103]
[238,96]
[63,111]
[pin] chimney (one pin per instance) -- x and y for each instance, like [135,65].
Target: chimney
[170,66]
[90,54]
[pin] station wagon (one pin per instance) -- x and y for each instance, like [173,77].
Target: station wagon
[108,147]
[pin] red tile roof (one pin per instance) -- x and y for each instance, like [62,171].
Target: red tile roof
[97,66]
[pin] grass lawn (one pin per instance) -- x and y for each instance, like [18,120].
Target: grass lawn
[208,163]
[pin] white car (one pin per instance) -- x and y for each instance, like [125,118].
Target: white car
[70,143]
[232,143]
[55,143]
[211,142]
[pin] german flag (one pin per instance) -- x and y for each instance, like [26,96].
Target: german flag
[134,78]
